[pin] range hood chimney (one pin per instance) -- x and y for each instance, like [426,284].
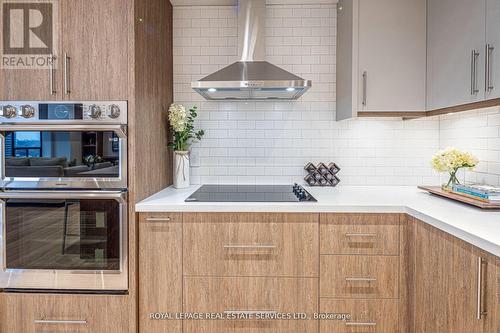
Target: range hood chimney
[251,77]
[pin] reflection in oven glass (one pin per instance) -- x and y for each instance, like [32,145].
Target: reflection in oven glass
[51,154]
[63,234]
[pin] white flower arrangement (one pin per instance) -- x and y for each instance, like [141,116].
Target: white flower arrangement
[451,160]
[182,125]
[177,117]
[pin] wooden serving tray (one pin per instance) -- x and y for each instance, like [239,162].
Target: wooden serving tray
[450,195]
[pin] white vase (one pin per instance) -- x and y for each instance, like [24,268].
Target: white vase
[181,169]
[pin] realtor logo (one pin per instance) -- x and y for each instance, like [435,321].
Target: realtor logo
[28,34]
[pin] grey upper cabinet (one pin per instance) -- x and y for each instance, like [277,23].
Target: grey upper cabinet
[381,56]
[455,52]
[492,82]
[463,65]
[391,55]
[345,82]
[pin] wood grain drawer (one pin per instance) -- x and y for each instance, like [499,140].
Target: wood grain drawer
[367,316]
[359,234]
[251,245]
[44,313]
[263,295]
[359,276]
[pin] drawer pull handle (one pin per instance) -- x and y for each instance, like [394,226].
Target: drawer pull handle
[250,246]
[158,219]
[349,235]
[250,312]
[360,323]
[61,322]
[360,279]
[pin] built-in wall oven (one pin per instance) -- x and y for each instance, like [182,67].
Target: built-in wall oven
[80,145]
[63,240]
[63,196]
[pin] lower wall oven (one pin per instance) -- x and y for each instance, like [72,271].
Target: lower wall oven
[63,240]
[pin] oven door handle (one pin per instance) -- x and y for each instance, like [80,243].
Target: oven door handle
[2,156]
[120,130]
[3,237]
[120,196]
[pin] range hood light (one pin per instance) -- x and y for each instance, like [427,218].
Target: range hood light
[290,89]
[212,90]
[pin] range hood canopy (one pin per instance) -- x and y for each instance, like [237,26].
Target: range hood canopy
[251,77]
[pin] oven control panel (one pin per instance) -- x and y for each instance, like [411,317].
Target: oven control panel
[114,112]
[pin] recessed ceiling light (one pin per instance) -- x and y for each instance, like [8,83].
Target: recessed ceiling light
[212,90]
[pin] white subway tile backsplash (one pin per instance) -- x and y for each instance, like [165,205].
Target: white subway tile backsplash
[270,142]
[478,132]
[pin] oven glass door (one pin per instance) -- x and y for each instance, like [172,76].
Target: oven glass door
[62,234]
[38,158]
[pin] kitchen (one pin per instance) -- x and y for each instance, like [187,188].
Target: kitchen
[365,93]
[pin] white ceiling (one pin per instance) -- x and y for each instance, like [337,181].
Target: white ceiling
[233,2]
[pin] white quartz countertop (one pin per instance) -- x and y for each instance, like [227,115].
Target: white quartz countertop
[478,227]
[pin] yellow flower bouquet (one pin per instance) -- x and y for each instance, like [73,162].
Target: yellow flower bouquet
[451,160]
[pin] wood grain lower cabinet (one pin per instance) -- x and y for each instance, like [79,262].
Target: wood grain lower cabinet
[251,245]
[256,295]
[359,276]
[374,316]
[496,321]
[455,285]
[359,234]
[392,274]
[490,291]
[360,265]
[42,313]
[160,271]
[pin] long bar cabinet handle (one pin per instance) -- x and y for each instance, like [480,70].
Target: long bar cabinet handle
[60,322]
[365,84]
[480,312]
[349,235]
[360,323]
[250,246]
[52,76]
[67,88]
[158,219]
[247,312]
[50,194]
[120,130]
[473,75]
[488,84]
[360,279]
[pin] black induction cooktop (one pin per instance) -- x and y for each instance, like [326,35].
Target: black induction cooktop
[251,193]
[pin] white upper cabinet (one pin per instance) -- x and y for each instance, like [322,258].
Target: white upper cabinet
[492,85]
[455,52]
[381,56]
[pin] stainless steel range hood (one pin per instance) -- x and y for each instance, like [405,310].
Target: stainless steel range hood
[251,77]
